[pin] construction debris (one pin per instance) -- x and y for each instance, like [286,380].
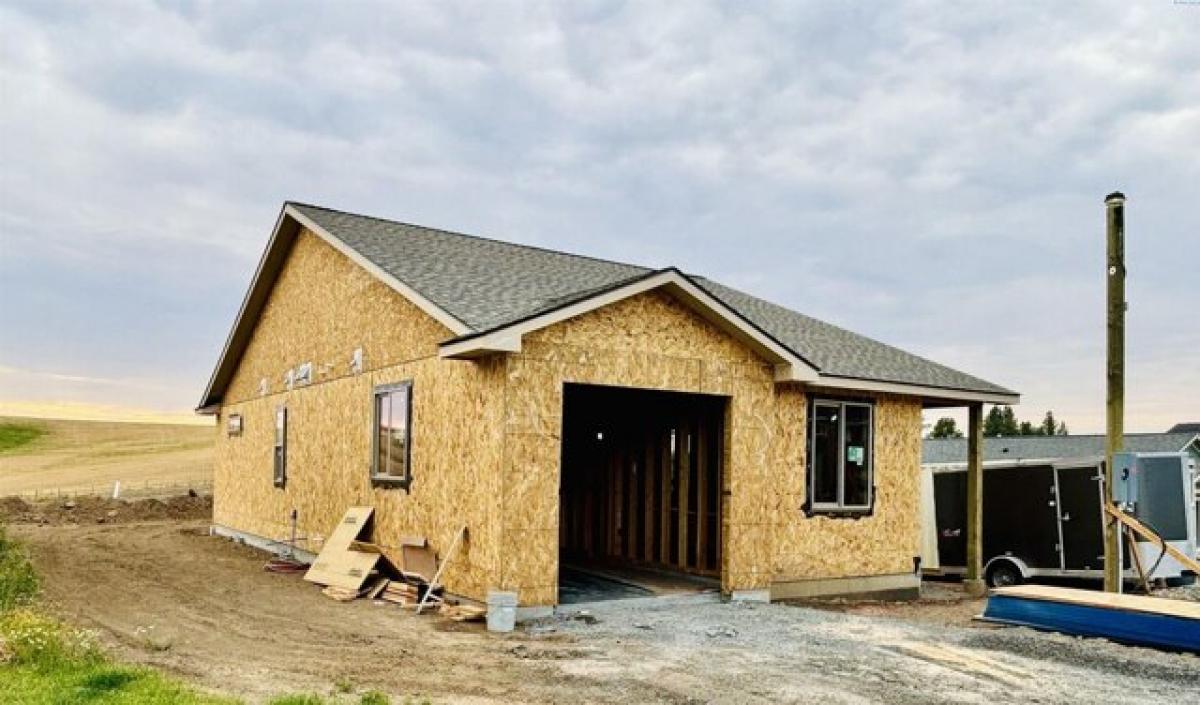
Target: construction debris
[350,566]
[341,594]
[433,591]
[338,565]
[463,613]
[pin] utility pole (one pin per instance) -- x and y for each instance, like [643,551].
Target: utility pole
[1115,210]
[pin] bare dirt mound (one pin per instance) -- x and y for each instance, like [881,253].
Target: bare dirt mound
[99,510]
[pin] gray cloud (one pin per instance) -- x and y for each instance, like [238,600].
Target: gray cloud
[924,173]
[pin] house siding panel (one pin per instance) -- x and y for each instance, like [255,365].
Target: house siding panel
[322,307]
[486,435]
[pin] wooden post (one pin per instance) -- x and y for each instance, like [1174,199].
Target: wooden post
[665,465]
[649,475]
[1115,211]
[701,451]
[685,470]
[973,583]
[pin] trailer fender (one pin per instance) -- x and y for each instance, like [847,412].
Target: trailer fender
[1002,562]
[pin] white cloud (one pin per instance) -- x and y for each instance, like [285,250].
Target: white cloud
[931,174]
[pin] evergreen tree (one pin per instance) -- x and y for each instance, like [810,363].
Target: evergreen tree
[945,427]
[1062,429]
[1049,426]
[1027,429]
[1010,426]
[993,423]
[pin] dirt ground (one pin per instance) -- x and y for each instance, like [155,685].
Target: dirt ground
[103,510]
[167,594]
[88,456]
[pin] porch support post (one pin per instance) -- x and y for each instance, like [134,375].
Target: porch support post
[973,583]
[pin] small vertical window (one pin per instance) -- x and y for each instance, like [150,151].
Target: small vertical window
[281,416]
[393,435]
[841,456]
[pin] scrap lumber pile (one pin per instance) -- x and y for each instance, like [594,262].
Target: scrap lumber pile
[401,593]
[350,567]
[463,613]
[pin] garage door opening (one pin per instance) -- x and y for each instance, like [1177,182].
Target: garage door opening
[640,497]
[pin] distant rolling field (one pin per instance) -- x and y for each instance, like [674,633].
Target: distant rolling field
[48,455]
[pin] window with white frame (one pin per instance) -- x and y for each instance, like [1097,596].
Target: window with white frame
[281,418]
[841,457]
[393,435]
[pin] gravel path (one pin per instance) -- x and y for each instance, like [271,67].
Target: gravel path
[780,653]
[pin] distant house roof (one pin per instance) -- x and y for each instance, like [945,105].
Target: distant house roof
[1186,427]
[948,451]
[479,287]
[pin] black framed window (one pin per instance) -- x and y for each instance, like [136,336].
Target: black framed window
[841,456]
[392,444]
[280,453]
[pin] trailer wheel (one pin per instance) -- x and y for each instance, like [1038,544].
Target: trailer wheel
[1004,574]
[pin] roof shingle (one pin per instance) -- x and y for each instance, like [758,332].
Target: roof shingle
[487,284]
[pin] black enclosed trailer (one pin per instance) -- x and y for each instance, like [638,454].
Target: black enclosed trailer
[1046,520]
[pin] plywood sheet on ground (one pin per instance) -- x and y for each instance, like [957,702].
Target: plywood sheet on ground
[339,566]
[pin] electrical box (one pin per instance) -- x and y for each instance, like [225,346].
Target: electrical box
[1125,479]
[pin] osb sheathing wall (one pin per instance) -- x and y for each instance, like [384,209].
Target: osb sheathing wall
[881,543]
[486,434]
[653,341]
[649,341]
[322,308]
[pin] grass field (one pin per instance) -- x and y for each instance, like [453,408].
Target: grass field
[54,455]
[15,434]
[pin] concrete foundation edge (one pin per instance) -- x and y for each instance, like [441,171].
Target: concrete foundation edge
[263,544]
[760,595]
[900,586]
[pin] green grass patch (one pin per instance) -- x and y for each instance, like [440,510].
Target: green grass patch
[98,684]
[15,434]
[18,581]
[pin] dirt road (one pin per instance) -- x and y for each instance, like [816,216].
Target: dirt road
[167,594]
[83,456]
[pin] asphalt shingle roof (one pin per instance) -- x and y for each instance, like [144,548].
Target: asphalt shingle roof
[954,450]
[487,284]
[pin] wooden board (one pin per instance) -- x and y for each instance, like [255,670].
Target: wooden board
[1138,528]
[1110,600]
[1130,619]
[337,565]
[418,560]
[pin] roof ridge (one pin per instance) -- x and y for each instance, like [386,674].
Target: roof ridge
[470,236]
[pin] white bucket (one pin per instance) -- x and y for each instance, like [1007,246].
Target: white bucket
[501,611]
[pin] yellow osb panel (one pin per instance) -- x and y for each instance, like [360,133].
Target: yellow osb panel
[324,306]
[650,341]
[886,541]
[457,420]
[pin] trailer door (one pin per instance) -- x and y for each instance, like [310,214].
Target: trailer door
[1079,511]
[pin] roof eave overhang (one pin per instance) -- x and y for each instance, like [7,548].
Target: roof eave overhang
[287,228]
[931,396]
[788,366]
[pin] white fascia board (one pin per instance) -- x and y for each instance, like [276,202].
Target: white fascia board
[436,312]
[211,409]
[498,342]
[918,390]
[788,366]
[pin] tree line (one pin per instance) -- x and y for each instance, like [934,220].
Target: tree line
[1001,421]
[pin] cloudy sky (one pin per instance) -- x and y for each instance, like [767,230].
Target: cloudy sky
[929,174]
